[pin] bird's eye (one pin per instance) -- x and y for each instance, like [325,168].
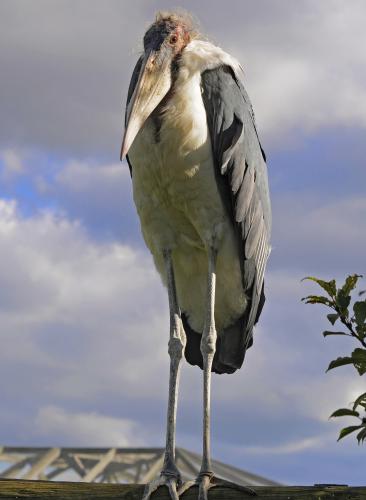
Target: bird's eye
[173,39]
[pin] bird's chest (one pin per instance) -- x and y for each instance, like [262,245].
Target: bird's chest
[171,153]
[173,172]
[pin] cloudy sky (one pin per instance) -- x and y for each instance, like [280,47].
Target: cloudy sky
[84,322]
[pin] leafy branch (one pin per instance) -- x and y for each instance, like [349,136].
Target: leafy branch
[353,317]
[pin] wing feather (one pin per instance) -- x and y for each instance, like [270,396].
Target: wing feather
[242,177]
[244,193]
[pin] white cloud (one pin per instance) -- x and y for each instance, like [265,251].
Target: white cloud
[305,67]
[86,429]
[98,194]
[84,323]
[322,236]
[80,177]
[62,292]
[12,164]
[290,447]
[84,343]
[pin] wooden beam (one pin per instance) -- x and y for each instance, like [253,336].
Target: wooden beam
[13,471]
[74,463]
[44,460]
[153,470]
[99,467]
[51,490]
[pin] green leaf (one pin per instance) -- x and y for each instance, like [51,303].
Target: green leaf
[359,308]
[360,401]
[327,333]
[361,435]
[350,283]
[343,301]
[317,299]
[343,412]
[359,354]
[361,330]
[347,430]
[359,360]
[341,361]
[328,286]
[332,317]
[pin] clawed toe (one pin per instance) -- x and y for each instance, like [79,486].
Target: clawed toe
[170,481]
[203,482]
[186,486]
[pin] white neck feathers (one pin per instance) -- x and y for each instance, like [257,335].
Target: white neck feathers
[199,56]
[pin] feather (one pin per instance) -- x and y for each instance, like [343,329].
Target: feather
[242,172]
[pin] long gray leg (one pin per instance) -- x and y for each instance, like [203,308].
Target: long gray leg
[170,475]
[206,479]
[177,343]
[208,348]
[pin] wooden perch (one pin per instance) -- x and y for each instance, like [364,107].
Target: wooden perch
[11,489]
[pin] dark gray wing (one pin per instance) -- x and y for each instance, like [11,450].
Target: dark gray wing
[242,177]
[131,88]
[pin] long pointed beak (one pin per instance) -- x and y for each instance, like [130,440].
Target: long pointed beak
[153,84]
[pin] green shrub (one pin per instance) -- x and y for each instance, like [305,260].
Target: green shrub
[350,314]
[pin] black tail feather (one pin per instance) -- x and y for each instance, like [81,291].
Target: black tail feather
[231,344]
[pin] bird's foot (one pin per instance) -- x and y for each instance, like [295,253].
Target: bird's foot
[206,480]
[169,479]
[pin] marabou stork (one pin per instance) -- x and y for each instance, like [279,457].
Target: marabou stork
[201,191]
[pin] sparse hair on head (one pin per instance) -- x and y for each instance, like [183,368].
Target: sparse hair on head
[179,16]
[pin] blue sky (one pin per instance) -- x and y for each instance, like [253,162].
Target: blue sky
[84,322]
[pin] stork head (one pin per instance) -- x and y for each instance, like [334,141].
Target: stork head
[164,42]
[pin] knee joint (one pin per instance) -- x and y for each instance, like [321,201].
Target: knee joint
[208,341]
[175,347]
